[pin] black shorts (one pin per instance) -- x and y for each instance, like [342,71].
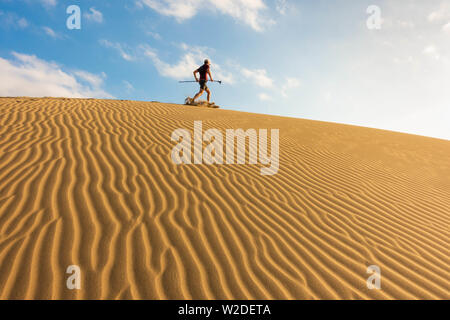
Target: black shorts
[203,85]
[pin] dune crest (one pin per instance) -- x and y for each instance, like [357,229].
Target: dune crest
[91,183]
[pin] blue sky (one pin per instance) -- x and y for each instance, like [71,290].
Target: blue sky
[308,59]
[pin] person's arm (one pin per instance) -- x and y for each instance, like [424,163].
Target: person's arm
[195,75]
[210,77]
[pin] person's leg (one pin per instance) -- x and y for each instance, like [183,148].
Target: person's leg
[209,93]
[198,95]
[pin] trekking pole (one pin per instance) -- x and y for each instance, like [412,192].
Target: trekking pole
[185,81]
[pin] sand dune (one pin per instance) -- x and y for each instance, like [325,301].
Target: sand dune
[91,183]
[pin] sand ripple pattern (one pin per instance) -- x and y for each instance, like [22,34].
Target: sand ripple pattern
[91,183]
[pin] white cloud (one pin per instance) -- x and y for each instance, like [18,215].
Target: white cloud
[154,35]
[246,11]
[22,23]
[191,59]
[119,47]
[95,15]
[10,19]
[407,24]
[49,3]
[94,80]
[281,6]
[27,75]
[446,28]
[432,51]
[128,86]
[180,9]
[439,14]
[258,76]
[50,32]
[264,97]
[433,16]
[290,83]
[183,68]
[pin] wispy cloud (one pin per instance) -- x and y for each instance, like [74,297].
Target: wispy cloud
[12,20]
[440,13]
[281,6]
[119,47]
[182,68]
[128,86]
[249,12]
[258,76]
[49,3]
[94,80]
[290,83]
[94,15]
[50,32]
[154,35]
[22,23]
[446,28]
[261,78]
[27,75]
[432,51]
[264,97]
[191,59]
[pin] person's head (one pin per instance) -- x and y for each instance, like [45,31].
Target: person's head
[207,62]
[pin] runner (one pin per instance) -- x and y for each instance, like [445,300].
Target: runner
[204,72]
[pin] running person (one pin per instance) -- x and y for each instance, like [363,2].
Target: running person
[204,72]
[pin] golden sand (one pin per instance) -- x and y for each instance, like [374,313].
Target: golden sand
[91,183]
